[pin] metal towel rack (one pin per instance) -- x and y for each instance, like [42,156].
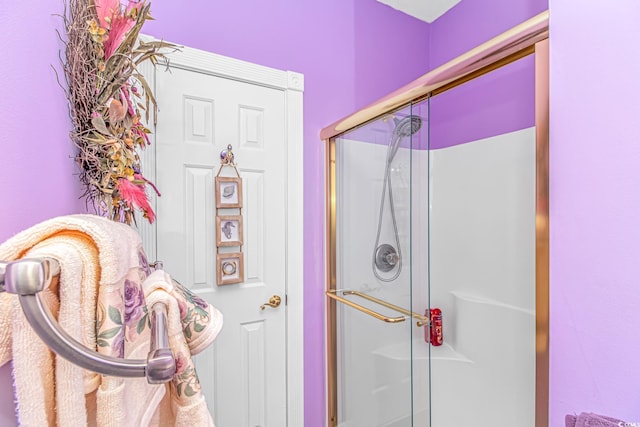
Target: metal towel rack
[333,294]
[29,276]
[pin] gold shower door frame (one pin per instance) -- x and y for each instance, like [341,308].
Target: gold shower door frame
[530,37]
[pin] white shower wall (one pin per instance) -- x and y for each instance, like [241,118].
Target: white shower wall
[482,261]
[481,197]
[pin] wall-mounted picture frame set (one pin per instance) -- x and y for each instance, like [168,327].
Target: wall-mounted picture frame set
[229,232]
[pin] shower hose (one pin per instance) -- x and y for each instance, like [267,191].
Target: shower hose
[387,183]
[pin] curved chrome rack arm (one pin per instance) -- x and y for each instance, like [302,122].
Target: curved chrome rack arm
[27,277]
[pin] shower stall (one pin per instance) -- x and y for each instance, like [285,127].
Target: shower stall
[437,276]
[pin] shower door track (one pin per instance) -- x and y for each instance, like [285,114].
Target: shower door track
[530,37]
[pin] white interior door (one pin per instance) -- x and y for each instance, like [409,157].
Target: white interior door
[244,374]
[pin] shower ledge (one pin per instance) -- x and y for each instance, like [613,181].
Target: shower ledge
[399,352]
[474,298]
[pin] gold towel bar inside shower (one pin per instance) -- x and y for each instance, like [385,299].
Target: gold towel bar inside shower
[333,294]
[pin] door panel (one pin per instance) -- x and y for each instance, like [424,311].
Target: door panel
[200,115]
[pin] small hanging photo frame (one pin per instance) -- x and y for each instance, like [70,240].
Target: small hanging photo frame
[228,192]
[230,268]
[229,230]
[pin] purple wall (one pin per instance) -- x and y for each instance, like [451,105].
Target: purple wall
[595,209]
[351,53]
[36,172]
[36,178]
[391,49]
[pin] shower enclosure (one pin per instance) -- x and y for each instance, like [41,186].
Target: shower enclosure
[437,246]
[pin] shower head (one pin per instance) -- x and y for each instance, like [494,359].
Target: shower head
[407,126]
[404,127]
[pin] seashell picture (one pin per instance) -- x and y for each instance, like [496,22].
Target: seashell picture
[229,230]
[230,268]
[228,192]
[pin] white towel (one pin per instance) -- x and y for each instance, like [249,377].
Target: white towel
[48,392]
[77,296]
[5,331]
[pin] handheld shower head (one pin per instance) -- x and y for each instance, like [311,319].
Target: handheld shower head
[404,127]
[407,126]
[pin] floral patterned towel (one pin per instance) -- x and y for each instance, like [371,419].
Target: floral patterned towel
[121,313]
[190,320]
[201,322]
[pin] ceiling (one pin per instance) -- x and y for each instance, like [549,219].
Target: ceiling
[425,10]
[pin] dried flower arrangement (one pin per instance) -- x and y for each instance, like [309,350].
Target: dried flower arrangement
[106,94]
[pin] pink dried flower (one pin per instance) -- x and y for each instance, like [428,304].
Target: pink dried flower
[139,130]
[134,195]
[127,99]
[139,177]
[133,7]
[106,9]
[120,26]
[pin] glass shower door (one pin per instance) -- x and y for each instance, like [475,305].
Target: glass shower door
[372,285]
[452,189]
[482,176]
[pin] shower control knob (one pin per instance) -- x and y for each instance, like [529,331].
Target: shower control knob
[386,257]
[392,259]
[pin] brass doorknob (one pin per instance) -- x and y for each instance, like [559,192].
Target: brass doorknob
[274,302]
